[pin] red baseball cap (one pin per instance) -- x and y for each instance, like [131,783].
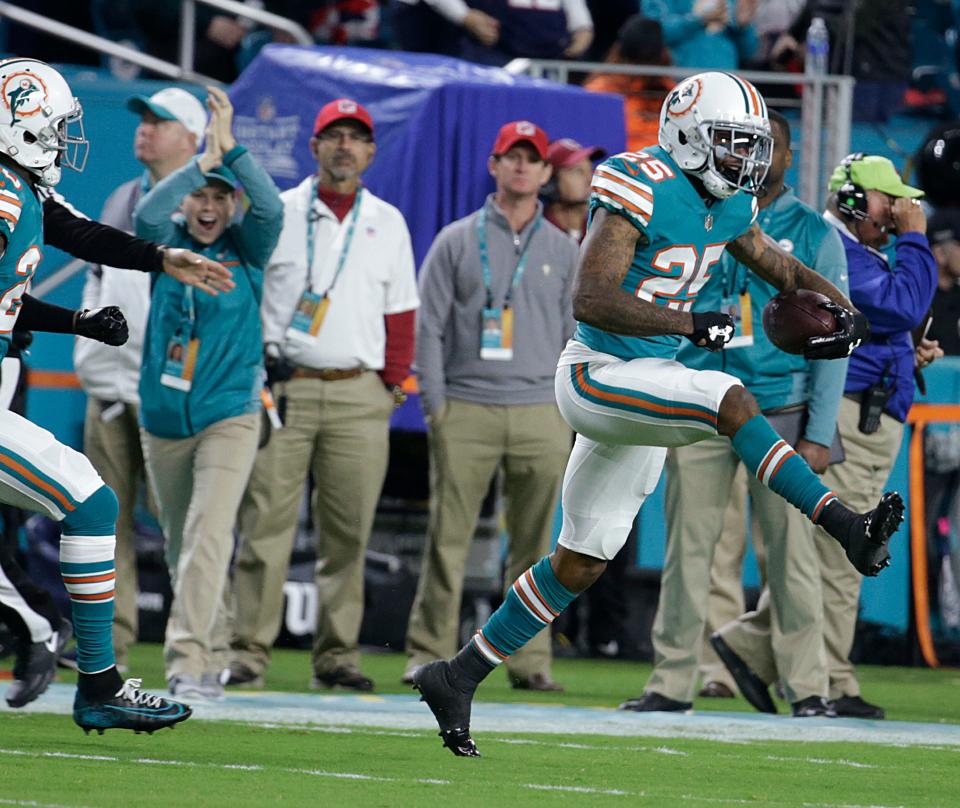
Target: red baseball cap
[521,132]
[342,109]
[566,152]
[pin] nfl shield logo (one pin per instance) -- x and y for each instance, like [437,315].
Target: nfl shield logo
[708,222]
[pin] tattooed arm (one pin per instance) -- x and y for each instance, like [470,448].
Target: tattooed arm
[767,259]
[598,297]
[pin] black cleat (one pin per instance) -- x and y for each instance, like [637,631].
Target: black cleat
[130,708]
[868,540]
[449,704]
[35,667]
[651,702]
[856,707]
[813,707]
[753,688]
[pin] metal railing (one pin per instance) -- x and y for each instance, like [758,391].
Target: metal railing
[181,71]
[826,106]
[108,47]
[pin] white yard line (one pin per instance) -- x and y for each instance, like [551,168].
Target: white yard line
[35,804]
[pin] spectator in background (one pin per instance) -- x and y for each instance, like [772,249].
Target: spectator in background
[639,42]
[562,29]
[941,478]
[201,415]
[608,18]
[170,130]
[867,201]
[153,26]
[568,190]
[345,257]
[436,26]
[496,288]
[706,33]
[870,41]
[800,398]
[943,230]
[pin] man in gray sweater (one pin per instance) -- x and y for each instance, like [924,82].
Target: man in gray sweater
[495,313]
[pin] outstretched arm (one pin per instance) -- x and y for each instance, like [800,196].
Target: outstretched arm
[775,265]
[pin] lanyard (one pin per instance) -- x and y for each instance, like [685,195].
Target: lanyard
[485,259]
[312,220]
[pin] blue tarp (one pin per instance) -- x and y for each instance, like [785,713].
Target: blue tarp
[436,119]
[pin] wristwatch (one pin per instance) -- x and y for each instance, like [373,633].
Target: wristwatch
[398,395]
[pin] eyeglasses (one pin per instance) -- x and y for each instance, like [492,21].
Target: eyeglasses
[340,135]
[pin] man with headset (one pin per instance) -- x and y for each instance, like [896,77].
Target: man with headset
[868,202]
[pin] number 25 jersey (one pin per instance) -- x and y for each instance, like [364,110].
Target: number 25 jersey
[21,224]
[681,240]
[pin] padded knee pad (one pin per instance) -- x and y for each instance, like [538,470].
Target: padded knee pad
[95,516]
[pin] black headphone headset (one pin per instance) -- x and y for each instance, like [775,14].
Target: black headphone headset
[851,198]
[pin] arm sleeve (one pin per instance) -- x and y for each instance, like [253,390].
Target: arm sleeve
[453,10]
[151,217]
[827,376]
[398,353]
[36,315]
[620,193]
[676,27]
[578,15]
[896,300]
[436,308]
[68,230]
[260,229]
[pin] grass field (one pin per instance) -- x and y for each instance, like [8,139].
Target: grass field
[340,760]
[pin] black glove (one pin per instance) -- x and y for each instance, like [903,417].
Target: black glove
[106,325]
[711,330]
[852,331]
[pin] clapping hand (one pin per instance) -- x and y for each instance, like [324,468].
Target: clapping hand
[218,138]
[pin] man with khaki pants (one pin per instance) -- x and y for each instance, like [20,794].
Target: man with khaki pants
[496,312]
[171,127]
[868,200]
[338,310]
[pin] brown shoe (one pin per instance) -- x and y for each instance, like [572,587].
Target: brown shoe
[343,679]
[540,682]
[716,690]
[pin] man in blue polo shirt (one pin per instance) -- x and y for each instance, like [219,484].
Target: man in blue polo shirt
[700,476]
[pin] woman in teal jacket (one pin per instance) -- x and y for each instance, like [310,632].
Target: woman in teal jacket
[200,385]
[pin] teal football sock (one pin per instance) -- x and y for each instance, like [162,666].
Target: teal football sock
[533,602]
[777,465]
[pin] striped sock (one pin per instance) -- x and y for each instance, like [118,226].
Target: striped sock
[87,566]
[778,466]
[533,603]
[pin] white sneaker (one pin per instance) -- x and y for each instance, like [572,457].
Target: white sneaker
[211,685]
[187,687]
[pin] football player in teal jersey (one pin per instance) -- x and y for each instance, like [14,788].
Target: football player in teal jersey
[660,220]
[41,132]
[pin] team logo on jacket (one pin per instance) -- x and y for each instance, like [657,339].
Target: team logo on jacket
[23,94]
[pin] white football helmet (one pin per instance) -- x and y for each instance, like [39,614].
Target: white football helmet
[715,126]
[41,126]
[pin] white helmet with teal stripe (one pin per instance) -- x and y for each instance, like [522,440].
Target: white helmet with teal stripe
[41,125]
[715,127]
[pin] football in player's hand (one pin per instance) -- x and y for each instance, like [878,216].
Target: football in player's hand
[791,318]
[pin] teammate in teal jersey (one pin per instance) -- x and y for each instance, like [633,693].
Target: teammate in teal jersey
[40,132]
[660,220]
